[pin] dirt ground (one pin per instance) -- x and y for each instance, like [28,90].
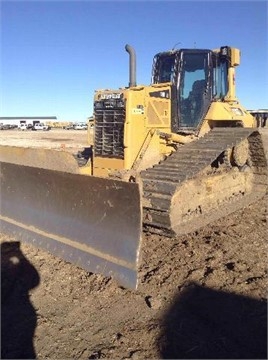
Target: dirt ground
[70,140]
[201,296]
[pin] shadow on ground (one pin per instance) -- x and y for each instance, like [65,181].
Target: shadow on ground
[18,317]
[207,324]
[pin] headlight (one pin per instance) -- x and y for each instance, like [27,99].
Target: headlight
[120,103]
[98,105]
[237,111]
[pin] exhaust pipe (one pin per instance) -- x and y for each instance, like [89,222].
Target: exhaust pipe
[132,65]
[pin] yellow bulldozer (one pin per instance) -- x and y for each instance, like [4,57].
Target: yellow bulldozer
[167,158]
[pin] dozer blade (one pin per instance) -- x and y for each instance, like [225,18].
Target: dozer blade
[41,158]
[94,223]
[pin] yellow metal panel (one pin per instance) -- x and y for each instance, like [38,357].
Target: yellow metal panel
[108,163]
[235,57]
[103,166]
[158,111]
[134,131]
[158,106]
[231,111]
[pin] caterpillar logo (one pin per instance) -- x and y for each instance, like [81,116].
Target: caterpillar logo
[107,96]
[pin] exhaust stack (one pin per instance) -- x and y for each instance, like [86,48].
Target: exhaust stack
[132,65]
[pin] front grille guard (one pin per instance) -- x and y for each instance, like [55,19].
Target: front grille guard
[109,132]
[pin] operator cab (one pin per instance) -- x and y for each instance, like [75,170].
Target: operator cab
[198,77]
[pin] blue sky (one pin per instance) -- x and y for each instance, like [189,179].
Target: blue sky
[54,54]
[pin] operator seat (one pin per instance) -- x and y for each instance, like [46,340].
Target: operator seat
[196,99]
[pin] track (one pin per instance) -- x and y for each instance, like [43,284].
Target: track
[189,162]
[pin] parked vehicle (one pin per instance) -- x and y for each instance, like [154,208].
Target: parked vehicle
[22,126]
[7,126]
[41,126]
[80,126]
[68,127]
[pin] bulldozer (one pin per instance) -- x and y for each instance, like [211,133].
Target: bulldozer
[167,158]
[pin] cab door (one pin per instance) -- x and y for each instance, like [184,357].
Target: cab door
[194,91]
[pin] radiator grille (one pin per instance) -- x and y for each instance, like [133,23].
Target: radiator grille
[109,132]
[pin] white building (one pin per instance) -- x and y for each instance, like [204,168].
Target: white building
[16,120]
